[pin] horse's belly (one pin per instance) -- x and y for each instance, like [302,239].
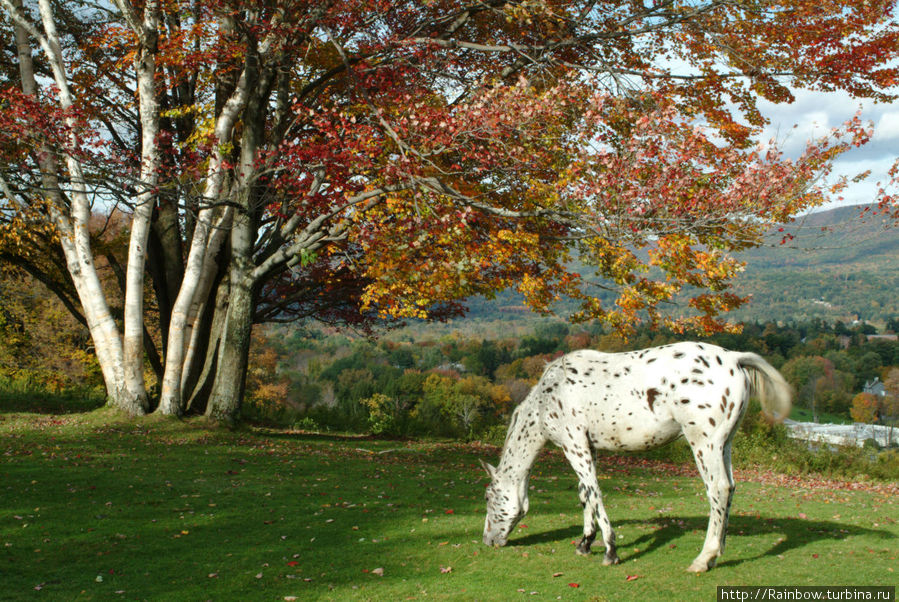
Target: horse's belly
[633,434]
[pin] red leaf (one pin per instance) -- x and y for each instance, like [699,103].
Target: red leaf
[574,585]
[633,577]
[292,563]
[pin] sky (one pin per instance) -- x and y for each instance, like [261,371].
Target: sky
[815,113]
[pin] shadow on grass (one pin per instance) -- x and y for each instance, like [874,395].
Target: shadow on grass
[278,433]
[796,533]
[274,432]
[40,402]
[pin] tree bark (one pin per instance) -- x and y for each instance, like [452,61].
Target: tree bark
[165,261]
[145,66]
[200,376]
[227,393]
[233,351]
[72,219]
[171,400]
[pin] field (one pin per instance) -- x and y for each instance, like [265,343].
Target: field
[93,507]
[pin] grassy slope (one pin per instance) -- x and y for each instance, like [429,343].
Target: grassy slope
[92,507]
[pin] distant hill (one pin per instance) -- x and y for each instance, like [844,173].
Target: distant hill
[840,264]
[845,237]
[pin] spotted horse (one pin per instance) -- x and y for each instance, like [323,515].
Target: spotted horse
[639,400]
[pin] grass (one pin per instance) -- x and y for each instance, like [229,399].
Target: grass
[806,415]
[23,396]
[94,507]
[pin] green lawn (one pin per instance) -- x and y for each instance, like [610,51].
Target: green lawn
[96,508]
[806,415]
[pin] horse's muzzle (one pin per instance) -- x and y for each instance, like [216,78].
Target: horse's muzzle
[494,540]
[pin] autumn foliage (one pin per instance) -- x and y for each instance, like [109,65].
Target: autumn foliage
[358,161]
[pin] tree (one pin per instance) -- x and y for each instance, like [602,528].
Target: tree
[466,402]
[810,376]
[889,408]
[41,343]
[865,408]
[360,160]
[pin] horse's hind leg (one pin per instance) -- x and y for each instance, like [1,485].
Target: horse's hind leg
[579,456]
[713,460]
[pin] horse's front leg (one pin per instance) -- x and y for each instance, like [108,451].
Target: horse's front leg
[580,458]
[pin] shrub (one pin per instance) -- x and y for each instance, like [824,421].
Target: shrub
[383,414]
[306,424]
[494,435]
[871,443]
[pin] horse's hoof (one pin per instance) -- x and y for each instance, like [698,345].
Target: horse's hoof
[698,567]
[584,545]
[610,560]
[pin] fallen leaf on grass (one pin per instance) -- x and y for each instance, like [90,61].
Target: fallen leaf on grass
[557,574]
[632,577]
[292,563]
[446,569]
[378,571]
[574,585]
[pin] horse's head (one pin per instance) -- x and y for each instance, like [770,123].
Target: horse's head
[507,503]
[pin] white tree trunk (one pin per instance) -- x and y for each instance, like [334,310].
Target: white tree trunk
[171,400]
[73,222]
[145,66]
[202,292]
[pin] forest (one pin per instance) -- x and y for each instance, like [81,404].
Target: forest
[458,379]
[463,386]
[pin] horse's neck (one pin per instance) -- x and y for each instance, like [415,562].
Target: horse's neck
[523,442]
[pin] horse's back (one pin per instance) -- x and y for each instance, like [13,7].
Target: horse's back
[639,399]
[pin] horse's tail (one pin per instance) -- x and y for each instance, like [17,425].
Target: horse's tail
[768,385]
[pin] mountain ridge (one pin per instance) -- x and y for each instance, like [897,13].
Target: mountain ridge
[839,264]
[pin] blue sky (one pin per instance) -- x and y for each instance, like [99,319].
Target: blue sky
[816,113]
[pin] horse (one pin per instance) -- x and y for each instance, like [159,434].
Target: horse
[638,400]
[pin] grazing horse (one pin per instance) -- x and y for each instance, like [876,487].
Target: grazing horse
[639,400]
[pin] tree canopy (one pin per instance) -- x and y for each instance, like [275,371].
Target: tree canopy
[360,160]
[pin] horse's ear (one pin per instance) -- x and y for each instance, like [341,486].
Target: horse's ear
[490,469]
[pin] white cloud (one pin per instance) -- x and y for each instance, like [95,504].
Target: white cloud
[887,127]
[814,114]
